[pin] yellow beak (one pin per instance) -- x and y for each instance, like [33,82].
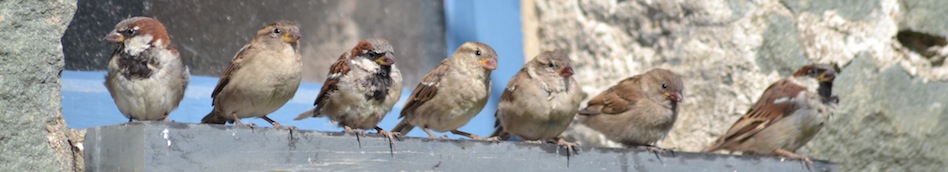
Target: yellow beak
[114,37]
[291,37]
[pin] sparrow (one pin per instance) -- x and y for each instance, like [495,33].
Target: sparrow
[639,110]
[540,101]
[362,86]
[146,76]
[788,114]
[262,77]
[452,93]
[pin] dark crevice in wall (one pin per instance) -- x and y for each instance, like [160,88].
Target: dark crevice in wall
[924,44]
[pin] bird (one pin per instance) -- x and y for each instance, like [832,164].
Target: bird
[540,101]
[361,87]
[788,114]
[639,110]
[146,77]
[452,93]
[262,77]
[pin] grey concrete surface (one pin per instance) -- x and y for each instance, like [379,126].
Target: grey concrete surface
[158,146]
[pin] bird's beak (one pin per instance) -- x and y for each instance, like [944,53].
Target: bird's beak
[114,37]
[488,63]
[828,76]
[675,96]
[566,71]
[291,37]
[386,60]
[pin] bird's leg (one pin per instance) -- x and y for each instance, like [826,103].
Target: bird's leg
[494,139]
[129,119]
[391,135]
[791,155]
[501,136]
[656,150]
[466,134]
[355,132]
[391,139]
[349,130]
[570,146]
[239,124]
[166,118]
[430,135]
[277,125]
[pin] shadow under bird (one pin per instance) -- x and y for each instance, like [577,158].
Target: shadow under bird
[146,77]
[788,114]
[262,77]
[452,93]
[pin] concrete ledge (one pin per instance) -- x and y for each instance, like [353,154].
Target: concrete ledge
[158,146]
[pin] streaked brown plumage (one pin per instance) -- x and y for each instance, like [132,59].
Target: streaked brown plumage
[262,77]
[452,93]
[540,101]
[362,86]
[146,77]
[639,110]
[788,114]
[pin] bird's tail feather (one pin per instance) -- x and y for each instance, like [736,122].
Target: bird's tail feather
[403,127]
[307,114]
[214,118]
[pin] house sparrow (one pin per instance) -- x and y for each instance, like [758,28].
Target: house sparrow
[788,114]
[361,88]
[540,101]
[452,93]
[146,76]
[639,110]
[262,77]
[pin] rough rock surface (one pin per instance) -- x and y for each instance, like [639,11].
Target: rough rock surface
[33,135]
[892,86]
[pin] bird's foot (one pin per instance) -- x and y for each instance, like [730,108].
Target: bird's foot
[240,124]
[466,134]
[791,155]
[493,139]
[391,139]
[356,132]
[655,149]
[277,125]
[570,146]
[282,127]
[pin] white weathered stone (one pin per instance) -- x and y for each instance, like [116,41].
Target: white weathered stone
[892,96]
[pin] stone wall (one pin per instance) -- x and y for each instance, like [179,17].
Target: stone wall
[33,135]
[892,85]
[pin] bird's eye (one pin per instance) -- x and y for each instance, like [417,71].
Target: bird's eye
[664,86]
[373,54]
[277,30]
[550,65]
[130,32]
[478,52]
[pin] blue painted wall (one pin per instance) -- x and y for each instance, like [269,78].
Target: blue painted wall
[86,102]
